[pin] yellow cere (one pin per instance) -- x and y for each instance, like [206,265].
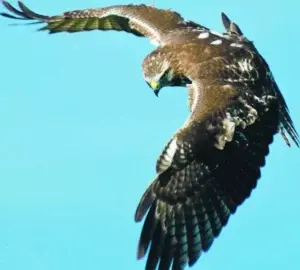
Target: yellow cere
[154,85]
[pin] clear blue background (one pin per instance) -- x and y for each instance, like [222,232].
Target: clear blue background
[81,131]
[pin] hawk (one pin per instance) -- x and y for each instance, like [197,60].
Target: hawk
[212,163]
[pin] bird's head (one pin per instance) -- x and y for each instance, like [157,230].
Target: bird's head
[157,71]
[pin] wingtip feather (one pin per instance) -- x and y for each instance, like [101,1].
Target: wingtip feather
[3,14]
[13,10]
[141,252]
[24,13]
[226,21]
[28,12]
[144,204]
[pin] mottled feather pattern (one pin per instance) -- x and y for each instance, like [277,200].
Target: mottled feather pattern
[193,233]
[206,209]
[189,181]
[268,88]
[204,222]
[212,163]
[176,155]
[166,158]
[212,195]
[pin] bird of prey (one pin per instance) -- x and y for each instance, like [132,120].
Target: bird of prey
[212,163]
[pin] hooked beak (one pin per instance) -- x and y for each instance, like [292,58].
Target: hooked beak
[155,86]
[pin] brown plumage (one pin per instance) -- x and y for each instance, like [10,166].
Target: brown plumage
[212,163]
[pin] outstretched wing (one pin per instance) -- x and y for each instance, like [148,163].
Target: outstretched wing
[189,212]
[213,162]
[140,20]
[159,25]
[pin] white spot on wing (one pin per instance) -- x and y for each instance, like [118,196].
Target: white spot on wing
[195,95]
[237,45]
[230,66]
[245,65]
[229,128]
[226,135]
[243,117]
[172,148]
[167,156]
[264,100]
[216,42]
[203,35]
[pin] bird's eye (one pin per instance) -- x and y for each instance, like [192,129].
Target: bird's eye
[167,76]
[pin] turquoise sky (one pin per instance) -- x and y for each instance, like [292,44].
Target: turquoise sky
[81,131]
